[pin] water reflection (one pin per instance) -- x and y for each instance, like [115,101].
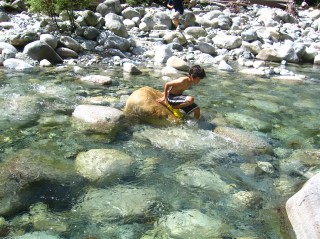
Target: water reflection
[180,171]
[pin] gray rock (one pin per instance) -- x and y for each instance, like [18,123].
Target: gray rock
[162,54]
[50,39]
[39,50]
[227,41]
[109,6]
[178,63]
[208,48]
[117,42]
[66,52]
[196,32]
[90,18]
[4,45]
[114,23]
[131,68]
[90,33]
[70,43]
[130,13]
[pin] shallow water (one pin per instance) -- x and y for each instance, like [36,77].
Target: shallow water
[35,113]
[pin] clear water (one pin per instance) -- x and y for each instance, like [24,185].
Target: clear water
[36,109]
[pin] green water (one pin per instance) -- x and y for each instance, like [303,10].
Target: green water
[35,115]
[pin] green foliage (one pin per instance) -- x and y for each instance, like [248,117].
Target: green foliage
[137,2]
[53,7]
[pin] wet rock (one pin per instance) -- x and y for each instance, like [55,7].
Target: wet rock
[104,165]
[24,175]
[97,118]
[191,176]
[123,203]
[247,122]
[245,139]
[178,140]
[162,54]
[44,220]
[191,223]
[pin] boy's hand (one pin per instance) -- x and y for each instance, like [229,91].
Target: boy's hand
[162,100]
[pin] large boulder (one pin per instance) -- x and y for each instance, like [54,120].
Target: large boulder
[97,118]
[303,210]
[143,105]
[39,50]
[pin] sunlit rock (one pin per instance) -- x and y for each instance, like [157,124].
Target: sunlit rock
[178,63]
[16,64]
[253,71]
[290,79]
[131,68]
[96,118]
[142,104]
[97,79]
[124,203]
[103,165]
[303,209]
[191,224]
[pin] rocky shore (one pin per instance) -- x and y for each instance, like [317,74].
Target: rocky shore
[258,41]
[115,34]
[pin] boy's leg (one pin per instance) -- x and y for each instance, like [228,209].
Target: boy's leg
[196,113]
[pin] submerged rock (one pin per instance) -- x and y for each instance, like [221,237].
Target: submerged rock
[123,203]
[245,139]
[103,165]
[191,224]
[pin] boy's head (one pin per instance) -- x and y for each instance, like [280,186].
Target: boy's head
[197,71]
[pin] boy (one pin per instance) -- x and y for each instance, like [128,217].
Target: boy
[178,7]
[173,90]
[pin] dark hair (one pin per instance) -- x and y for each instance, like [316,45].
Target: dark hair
[197,71]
